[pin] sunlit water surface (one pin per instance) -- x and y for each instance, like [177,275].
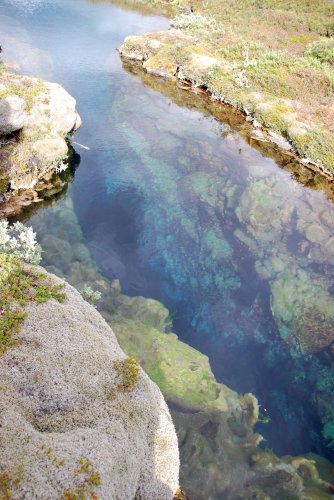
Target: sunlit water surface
[180,208]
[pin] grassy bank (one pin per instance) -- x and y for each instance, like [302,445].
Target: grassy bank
[273,60]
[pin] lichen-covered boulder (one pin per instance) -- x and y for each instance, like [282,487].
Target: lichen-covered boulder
[43,114]
[75,417]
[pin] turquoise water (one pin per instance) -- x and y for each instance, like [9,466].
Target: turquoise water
[180,208]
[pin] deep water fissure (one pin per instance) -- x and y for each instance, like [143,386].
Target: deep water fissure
[174,205]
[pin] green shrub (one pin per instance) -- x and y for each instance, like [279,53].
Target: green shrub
[19,241]
[323,51]
[90,295]
[18,287]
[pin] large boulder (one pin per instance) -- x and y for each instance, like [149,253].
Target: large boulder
[69,424]
[40,115]
[28,103]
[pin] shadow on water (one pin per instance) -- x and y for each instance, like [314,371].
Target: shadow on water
[47,193]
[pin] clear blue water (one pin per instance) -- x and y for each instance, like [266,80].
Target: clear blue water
[180,207]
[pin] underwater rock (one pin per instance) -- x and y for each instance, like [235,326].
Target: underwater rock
[205,187]
[59,253]
[303,310]
[301,302]
[147,311]
[219,450]
[67,427]
[256,208]
[316,234]
[184,374]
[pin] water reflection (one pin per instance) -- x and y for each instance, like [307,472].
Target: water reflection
[197,99]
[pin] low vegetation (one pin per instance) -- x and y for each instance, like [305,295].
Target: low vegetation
[7,482]
[90,295]
[85,477]
[128,371]
[20,284]
[25,88]
[19,242]
[89,479]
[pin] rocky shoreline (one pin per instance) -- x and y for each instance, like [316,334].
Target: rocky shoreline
[36,118]
[178,54]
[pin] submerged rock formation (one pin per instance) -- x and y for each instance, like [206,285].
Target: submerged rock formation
[214,424]
[71,421]
[35,119]
[218,445]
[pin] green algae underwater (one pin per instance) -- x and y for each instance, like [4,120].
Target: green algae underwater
[181,208]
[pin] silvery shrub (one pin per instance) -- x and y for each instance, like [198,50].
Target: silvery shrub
[20,242]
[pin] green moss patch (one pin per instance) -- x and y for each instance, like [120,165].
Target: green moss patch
[20,286]
[183,374]
[128,371]
[26,89]
[7,482]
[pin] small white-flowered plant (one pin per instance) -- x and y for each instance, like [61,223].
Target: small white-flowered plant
[61,167]
[194,21]
[241,79]
[19,241]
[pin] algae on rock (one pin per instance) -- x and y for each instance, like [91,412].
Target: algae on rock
[214,424]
